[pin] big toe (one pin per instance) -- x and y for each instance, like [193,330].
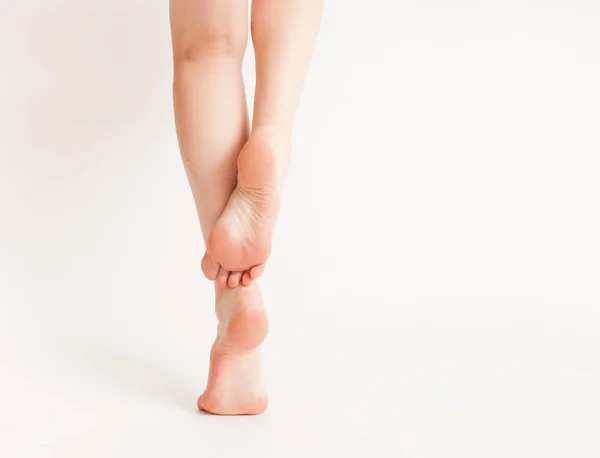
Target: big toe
[210,267]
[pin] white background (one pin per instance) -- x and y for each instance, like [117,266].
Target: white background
[434,290]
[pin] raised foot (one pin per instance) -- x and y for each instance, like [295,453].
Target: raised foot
[234,382]
[242,236]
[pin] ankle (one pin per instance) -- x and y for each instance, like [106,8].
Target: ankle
[279,143]
[273,133]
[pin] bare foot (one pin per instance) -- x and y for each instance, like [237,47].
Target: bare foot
[214,272]
[241,239]
[234,383]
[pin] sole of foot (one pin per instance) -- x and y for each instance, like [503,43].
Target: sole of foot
[241,239]
[234,381]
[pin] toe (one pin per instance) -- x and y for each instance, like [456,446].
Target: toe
[257,271]
[222,277]
[210,267]
[234,279]
[246,279]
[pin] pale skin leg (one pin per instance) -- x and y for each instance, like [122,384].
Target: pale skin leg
[209,38]
[209,41]
[283,33]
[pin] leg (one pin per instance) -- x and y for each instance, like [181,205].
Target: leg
[283,32]
[209,40]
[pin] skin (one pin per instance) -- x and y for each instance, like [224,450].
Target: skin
[236,174]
